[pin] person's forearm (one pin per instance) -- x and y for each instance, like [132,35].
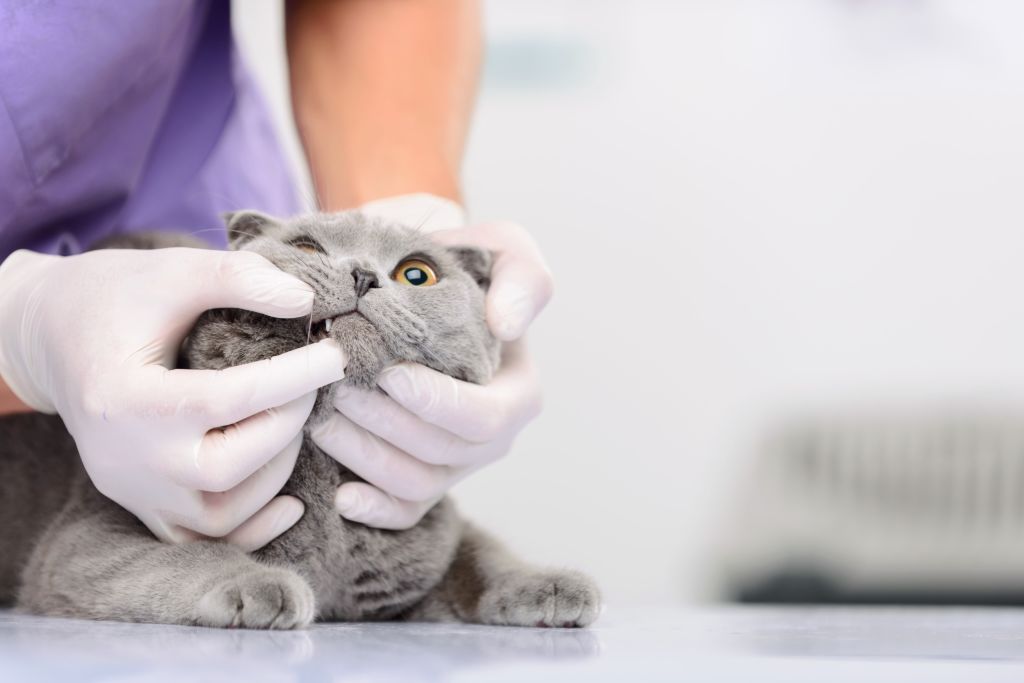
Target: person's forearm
[383,92]
[9,402]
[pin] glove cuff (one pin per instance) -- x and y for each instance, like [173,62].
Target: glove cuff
[423,211]
[21,275]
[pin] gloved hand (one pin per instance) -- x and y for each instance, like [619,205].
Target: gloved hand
[431,430]
[93,337]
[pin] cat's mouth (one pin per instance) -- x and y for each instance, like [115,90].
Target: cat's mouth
[321,329]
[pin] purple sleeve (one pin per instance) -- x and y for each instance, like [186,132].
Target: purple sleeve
[127,116]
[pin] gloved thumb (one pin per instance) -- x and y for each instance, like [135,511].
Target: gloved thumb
[521,284]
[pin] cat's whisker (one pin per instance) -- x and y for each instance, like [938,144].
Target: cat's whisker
[236,231]
[323,261]
[423,223]
[204,230]
[295,260]
[436,359]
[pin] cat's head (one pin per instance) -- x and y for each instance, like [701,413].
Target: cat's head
[384,292]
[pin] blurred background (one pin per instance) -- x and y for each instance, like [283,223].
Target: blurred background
[787,239]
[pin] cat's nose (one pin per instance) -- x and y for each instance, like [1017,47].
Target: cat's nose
[365,280]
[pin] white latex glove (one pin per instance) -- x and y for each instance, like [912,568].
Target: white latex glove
[189,452]
[431,430]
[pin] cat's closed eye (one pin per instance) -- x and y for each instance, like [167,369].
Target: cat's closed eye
[415,272]
[310,246]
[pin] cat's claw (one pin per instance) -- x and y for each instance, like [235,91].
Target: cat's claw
[265,598]
[557,599]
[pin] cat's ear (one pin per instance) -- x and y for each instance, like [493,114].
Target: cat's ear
[475,261]
[245,225]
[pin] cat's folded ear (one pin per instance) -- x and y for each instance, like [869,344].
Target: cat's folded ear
[475,261]
[245,225]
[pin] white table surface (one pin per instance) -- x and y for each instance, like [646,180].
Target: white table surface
[725,643]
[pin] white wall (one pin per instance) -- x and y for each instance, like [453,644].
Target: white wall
[749,207]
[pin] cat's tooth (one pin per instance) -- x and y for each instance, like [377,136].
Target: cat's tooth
[327,324]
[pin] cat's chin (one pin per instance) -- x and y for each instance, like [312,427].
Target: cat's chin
[366,350]
[366,356]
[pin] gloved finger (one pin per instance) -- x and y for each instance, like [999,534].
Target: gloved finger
[243,279]
[218,514]
[360,502]
[220,397]
[521,283]
[380,463]
[379,414]
[520,289]
[477,413]
[276,517]
[228,456]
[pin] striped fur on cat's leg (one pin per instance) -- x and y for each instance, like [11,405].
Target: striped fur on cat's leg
[485,584]
[97,561]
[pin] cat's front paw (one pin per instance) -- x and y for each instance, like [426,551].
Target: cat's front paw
[266,597]
[565,599]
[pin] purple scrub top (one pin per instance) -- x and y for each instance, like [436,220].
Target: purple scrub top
[119,116]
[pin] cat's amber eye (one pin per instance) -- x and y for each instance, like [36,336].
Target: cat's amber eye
[415,272]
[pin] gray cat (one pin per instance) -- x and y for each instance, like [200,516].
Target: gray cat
[386,294]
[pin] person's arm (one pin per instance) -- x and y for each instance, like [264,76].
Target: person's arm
[383,92]
[9,402]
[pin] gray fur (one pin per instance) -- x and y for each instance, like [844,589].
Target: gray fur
[69,551]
